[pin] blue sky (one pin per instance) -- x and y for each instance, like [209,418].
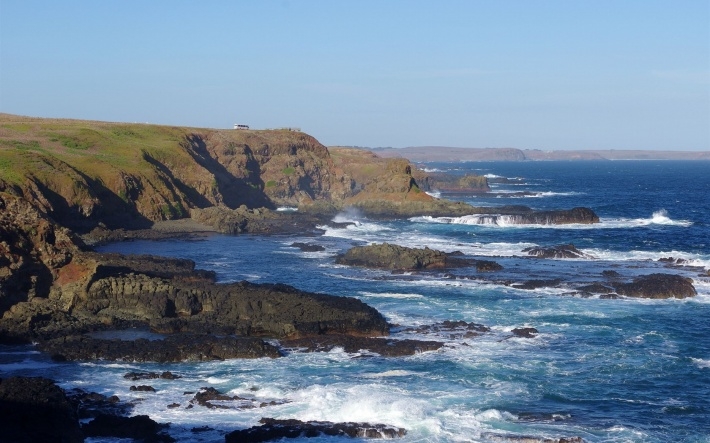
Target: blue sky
[530,74]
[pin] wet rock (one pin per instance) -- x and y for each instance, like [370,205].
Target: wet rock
[673,261]
[305,247]
[142,388]
[174,348]
[34,409]
[206,396]
[454,329]
[211,398]
[658,286]
[537,284]
[611,274]
[167,375]
[525,332]
[139,427]
[382,346]
[559,251]
[511,438]
[542,416]
[273,429]
[487,266]
[394,257]
[557,217]
[91,404]
[596,288]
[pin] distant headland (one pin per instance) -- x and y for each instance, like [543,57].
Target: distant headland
[445,153]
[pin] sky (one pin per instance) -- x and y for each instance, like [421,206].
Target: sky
[529,74]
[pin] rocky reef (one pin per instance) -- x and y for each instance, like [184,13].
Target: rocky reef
[394,257]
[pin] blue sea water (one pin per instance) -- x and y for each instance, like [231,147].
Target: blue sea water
[607,370]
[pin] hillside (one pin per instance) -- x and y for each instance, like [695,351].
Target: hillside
[130,175]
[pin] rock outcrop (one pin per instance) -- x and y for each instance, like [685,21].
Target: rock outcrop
[273,429]
[173,348]
[657,286]
[559,251]
[34,409]
[394,257]
[137,428]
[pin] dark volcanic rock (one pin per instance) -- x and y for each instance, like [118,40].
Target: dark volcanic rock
[106,291]
[488,266]
[167,375]
[657,286]
[559,251]
[174,348]
[206,396]
[34,409]
[394,257]
[139,427]
[596,288]
[525,332]
[273,429]
[557,217]
[305,247]
[382,346]
[142,388]
[454,329]
[91,404]
[536,284]
[512,438]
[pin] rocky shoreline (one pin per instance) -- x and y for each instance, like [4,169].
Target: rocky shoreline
[75,304]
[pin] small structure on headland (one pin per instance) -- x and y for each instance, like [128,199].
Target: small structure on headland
[238,126]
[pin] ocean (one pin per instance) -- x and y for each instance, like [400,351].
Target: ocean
[606,370]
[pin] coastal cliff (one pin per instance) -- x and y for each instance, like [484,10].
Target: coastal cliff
[62,179]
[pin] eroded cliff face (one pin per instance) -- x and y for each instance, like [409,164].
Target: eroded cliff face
[86,173]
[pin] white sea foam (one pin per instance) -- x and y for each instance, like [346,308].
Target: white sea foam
[391,373]
[390,295]
[216,380]
[701,363]
[435,194]
[659,218]
[286,209]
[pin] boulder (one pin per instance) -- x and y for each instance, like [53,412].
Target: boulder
[34,409]
[657,286]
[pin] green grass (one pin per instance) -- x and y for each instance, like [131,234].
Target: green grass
[288,170]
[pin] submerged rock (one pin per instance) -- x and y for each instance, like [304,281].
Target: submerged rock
[657,286]
[273,429]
